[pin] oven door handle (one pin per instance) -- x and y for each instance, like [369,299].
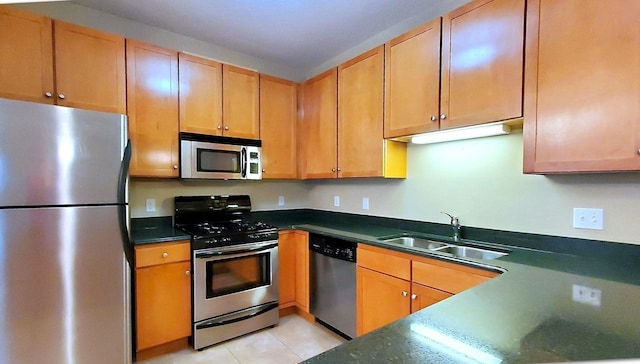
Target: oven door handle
[237,317]
[235,251]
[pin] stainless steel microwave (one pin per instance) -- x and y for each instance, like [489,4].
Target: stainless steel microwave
[215,157]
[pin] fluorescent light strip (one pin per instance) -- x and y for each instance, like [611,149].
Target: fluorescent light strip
[461,133]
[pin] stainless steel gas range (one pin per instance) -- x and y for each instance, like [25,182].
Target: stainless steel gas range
[235,267]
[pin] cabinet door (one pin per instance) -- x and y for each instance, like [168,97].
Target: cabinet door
[163,304]
[240,102]
[278,116]
[302,270]
[319,133]
[152,96]
[287,268]
[381,299]
[423,296]
[482,63]
[412,82]
[582,97]
[200,95]
[90,69]
[26,56]
[360,115]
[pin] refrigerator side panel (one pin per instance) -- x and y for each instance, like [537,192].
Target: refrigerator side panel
[63,287]
[53,155]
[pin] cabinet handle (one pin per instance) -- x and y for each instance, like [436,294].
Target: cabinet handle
[333,169]
[339,169]
[405,293]
[443,116]
[61,96]
[226,128]
[48,94]
[434,118]
[414,296]
[638,151]
[175,166]
[187,272]
[263,170]
[165,254]
[219,127]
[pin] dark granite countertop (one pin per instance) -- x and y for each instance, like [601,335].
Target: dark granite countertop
[525,315]
[155,230]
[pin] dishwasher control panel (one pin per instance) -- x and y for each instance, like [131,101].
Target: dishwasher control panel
[332,247]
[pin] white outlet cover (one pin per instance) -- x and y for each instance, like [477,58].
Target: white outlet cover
[365,203]
[584,218]
[280,200]
[336,201]
[587,295]
[151,205]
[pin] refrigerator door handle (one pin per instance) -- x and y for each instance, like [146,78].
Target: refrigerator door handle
[122,201]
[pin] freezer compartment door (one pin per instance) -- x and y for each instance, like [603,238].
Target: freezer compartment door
[54,155]
[64,287]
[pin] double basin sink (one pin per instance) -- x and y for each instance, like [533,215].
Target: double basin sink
[446,248]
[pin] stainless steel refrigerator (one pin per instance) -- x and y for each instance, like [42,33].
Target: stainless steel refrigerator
[64,249]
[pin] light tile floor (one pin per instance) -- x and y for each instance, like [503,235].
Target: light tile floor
[293,340]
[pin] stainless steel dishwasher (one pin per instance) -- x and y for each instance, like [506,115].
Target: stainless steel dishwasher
[333,283]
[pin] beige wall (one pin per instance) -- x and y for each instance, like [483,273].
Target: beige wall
[479,180]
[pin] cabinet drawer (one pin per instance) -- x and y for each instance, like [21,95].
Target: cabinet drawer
[161,253]
[445,278]
[385,261]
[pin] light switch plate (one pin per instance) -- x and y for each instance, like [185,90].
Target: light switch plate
[588,218]
[280,200]
[336,201]
[365,203]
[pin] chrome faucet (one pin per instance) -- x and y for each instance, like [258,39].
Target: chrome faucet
[455,225]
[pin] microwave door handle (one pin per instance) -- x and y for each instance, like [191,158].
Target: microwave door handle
[243,163]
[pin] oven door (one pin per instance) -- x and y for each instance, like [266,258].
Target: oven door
[212,160]
[234,278]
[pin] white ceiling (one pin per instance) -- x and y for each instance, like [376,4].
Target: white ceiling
[301,34]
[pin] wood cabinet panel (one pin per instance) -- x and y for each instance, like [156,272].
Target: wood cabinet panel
[26,56]
[482,63]
[278,116]
[423,296]
[412,81]
[287,268]
[319,126]
[382,260]
[152,97]
[240,97]
[200,95]
[90,68]
[582,97]
[302,270]
[446,279]
[162,253]
[163,304]
[360,115]
[381,299]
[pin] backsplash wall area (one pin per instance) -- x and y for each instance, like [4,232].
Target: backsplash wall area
[479,180]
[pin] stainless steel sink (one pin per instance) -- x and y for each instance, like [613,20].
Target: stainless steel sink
[471,252]
[413,242]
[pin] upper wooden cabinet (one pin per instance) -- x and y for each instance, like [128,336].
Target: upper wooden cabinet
[582,96]
[361,149]
[152,85]
[240,96]
[278,115]
[319,126]
[412,82]
[200,95]
[482,63]
[89,64]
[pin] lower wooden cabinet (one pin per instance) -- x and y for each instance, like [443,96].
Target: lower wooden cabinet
[162,293]
[293,265]
[391,285]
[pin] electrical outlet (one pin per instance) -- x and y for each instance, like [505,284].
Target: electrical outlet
[336,201]
[280,200]
[587,295]
[151,205]
[365,203]
[588,218]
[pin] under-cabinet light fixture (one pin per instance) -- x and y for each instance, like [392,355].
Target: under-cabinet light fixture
[470,132]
